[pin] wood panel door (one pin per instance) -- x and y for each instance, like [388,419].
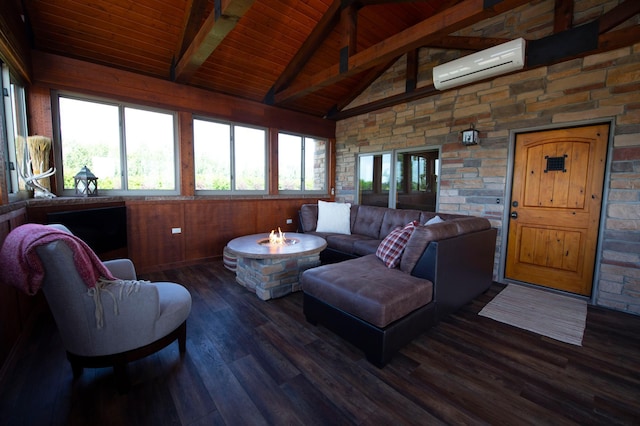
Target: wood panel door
[555,207]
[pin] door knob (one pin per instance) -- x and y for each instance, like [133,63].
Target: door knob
[514,215]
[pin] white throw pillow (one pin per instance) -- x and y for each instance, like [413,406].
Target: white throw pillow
[434,220]
[334,217]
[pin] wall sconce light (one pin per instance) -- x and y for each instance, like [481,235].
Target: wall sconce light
[86,183]
[470,136]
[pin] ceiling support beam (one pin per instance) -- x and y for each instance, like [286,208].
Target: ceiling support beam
[218,24]
[349,23]
[412,71]
[563,16]
[459,16]
[609,41]
[196,9]
[618,15]
[319,33]
[364,82]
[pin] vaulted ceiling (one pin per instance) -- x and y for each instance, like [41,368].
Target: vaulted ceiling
[313,56]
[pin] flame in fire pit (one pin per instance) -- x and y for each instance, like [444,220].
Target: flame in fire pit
[278,238]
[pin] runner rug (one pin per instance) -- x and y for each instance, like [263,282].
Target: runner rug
[550,314]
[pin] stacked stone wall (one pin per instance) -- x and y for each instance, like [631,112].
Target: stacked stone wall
[473,179]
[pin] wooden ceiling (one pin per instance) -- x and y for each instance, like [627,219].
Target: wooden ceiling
[288,53]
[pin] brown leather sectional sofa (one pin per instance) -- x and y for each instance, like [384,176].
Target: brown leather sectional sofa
[379,309]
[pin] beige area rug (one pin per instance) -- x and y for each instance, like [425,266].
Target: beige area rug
[550,314]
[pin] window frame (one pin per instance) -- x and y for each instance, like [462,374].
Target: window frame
[232,154]
[393,183]
[124,178]
[13,120]
[302,190]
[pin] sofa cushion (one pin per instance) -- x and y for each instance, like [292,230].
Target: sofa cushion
[342,242]
[396,217]
[423,235]
[391,248]
[308,217]
[366,288]
[365,246]
[334,217]
[368,221]
[420,239]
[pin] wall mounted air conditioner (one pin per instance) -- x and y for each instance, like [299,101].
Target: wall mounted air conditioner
[487,63]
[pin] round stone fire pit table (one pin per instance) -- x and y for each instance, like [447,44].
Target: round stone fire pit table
[273,270]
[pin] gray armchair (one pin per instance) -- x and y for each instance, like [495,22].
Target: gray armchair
[113,324]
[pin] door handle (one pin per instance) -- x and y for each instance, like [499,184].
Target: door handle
[514,215]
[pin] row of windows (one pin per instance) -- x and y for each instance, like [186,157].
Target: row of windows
[135,149]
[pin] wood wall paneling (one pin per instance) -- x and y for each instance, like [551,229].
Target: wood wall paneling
[57,72]
[210,225]
[150,237]
[206,227]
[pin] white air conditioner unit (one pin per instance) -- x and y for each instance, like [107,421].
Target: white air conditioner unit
[487,63]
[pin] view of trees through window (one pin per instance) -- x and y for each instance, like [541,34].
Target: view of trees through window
[302,163]
[229,157]
[142,157]
[412,186]
[134,149]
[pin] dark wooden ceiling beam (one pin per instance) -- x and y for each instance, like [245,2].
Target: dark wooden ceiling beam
[195,10]
[218,24]
[363,83]
[411,76]
[563,15]
[609,41]
[349,24]
[318,35]
[619,14]
[390,101]
[459,16]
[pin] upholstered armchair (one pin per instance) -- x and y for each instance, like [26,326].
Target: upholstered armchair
[113,323]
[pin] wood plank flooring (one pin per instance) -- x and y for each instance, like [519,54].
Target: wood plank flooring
[250,362]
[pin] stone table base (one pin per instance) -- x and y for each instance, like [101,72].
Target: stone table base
[274,270]
[271,278]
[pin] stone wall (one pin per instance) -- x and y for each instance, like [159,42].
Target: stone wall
[599,88]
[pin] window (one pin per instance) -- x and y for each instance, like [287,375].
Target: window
[374,177]
[412,186]
[128,148]
[229,157]
[15,137]
[416,179]
[302,163]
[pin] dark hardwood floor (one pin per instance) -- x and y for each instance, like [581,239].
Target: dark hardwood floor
[250,362]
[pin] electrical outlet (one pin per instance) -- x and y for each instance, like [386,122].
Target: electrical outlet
[289,221]
[176,230]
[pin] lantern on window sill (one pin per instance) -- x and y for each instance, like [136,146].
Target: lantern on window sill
[86,183]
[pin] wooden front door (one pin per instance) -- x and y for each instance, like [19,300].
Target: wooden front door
[555,207]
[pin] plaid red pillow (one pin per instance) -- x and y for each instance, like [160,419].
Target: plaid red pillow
[391,248]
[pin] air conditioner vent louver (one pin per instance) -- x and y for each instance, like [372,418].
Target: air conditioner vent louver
[497,60]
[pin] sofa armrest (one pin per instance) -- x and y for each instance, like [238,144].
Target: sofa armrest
[121,268]
[461,268]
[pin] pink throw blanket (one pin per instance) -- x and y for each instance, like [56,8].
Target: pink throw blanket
[20,264]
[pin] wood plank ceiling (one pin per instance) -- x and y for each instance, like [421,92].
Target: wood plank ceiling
[287,53]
